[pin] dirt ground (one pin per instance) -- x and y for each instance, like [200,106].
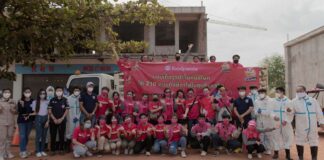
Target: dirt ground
[192,155]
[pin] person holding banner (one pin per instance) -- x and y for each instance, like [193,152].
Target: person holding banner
[155,109]
[168,105]
[176,137]
[208,106]
[179,107]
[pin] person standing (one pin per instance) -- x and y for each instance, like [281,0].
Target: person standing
[7,123]
[73,115]
[307,113]
[202,133]
[25,121]
[89,104]
[236,59]
[180,107]
[58,109]
[41,121]
[225,104]
[243,107]
[208,106]
[105,104]
[168,105]
[283,135]
[262,110]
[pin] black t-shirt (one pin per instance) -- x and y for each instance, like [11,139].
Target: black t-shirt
[89,101]
[58,106]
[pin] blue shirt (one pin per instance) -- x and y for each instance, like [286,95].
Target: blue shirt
[89,101]
[58,107]
[243,105]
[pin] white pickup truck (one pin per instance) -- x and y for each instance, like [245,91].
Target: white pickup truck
[114,83]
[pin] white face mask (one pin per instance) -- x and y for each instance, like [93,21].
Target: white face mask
[27,95]
[262,95]
[90,89]
[42,96]
[59,93]
[87,125]
[6,95]
[242,93]
[301,94]
[278,95]
[76,93]
[254,91]
[50,94]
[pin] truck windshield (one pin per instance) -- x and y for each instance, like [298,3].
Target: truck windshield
[81,82]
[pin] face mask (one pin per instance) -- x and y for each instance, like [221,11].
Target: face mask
[128,120]
[201,121]
[59,93]
[76,93]
[155,99]
[174,121]
[144,121]
[50,94]
[6,95]
[27,95]
[105,93]
[251,127]
[278,95]
[254,91]
[160,121]
[226,121]
[206,93]
[87,125]
[42,96]
[177,58]
[301,94]
[90,89]
[114,122]
[262,95]
[180,96]
[102,122]
[236,61]
[242,93]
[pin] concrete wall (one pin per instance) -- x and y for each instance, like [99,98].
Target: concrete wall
[305,63]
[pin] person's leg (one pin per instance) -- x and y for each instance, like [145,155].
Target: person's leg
[43,133]
[38,129]
[314,151]
[260,148]
[91,145]
[10,132]
[61,129]
[233,145]
[139,146]
[163,146]
[205,143]
[113,147]
[217,141]
[107,147]
[79,150]
[148,143]
[300,151]
[156,146]
[53,132]
[3,136]
[250,148]
[101,143]
[173,148]
[29,128]
[118,145]
[22,136]
[131,145]
[287,154]
[183,143]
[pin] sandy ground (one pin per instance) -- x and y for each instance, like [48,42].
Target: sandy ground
[192,155]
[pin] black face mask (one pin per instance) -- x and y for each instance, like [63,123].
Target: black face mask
[155,99]
[177,58]
[236,61]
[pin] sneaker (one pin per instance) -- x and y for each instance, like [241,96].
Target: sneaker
[117,152]
[113,152]
[216,153]
[39,154]
[203,153]
[238,150]
[183,154]
[275,157]
[9,155]
[23,155]
[131,151]
[89,154]
[259,155]
[147,153]
[250,156]
[76,155]
[126,151]
[44,154]
[268,152]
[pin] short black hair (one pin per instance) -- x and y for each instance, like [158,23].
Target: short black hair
[253,87]
[226,115]
[262,90]
[281,89]
[105,88]
[212,57]
[6,89]
[236,55]
[195,57]
[201,116]
[59,87]
[219,86]
[241,88]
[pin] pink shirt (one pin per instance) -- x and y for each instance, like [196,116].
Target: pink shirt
[128,129]
[194,110]
[225,132]
[200,128]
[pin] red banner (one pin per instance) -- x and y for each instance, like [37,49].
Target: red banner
[155,77]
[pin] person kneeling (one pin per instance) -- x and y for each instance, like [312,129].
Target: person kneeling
[83,140]
[115,140]
[226,135]
[102,132]
[176,137]
[251,138]
[144,136]
[128,135]
[201,132]
[160,143]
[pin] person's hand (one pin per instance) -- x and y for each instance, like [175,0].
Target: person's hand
[26,118]
[21,103]
[55,121]
[1,109]
[241,119]
[258,142]
[46,125]
[135,113]
[59,121]
[289,110]
[276,118]
[284,123]
[322,126]
[259,111]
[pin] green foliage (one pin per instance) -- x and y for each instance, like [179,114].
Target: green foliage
[46,29]
[276,70]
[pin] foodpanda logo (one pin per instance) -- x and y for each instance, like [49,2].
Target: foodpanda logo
[167,68]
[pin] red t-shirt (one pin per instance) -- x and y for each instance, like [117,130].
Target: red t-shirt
[128,129]
[143,130]
[81,136]
[153,106]
[175,133]
[181,103]
[102,108]
[115,132]
[168,112]
[117,105]
[194,111]
[206,104]
[129,108]
[159,131]
[124,65]
[104,130]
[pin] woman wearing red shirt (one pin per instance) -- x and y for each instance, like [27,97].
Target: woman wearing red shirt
[129,105]
[176,137]
[180,107]
[155,109]
[167,103]
[114,139]
[116,107]
[102,133]
[83,140]
[104,103]
[144,134]
[208,106]
[142,107]
[160,143]
[129,134]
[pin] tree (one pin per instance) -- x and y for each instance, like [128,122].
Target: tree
[276,70]
[46,29]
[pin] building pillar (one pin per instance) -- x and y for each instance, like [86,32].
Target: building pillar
[202,35]
[17,87]
[176,36]
[149,38]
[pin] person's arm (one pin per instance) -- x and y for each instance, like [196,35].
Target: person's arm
[250,108]
[33,106]
[187,54]
[96,107]
[82,109]
[67,107]
[193,131]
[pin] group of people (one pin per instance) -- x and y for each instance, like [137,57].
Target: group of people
[167,123]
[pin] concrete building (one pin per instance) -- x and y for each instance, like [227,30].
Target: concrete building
[166,38]
[304,59]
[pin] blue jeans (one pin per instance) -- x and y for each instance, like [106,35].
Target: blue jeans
[83,117]
[160,146]
[41,132]
[24,131]
[182,143]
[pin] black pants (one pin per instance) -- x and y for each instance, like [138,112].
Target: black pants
[230,144]
[146,144]
[204,143]
[259,148]
[60,128]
